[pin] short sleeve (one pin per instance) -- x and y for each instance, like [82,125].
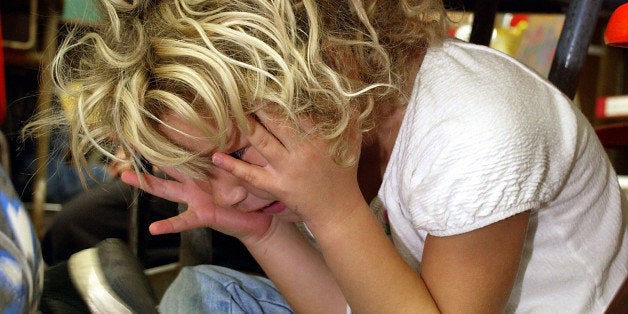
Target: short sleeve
[475,176]
[497,144]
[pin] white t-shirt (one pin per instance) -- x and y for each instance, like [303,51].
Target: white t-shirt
[484,138]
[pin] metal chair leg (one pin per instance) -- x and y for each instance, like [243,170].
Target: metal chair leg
[571,52]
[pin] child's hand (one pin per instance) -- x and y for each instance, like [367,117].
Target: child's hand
[117,165]
[201,210]
[300,171]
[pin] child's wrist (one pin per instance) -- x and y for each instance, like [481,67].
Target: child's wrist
[275,233]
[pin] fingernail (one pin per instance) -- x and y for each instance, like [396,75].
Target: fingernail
[216,160]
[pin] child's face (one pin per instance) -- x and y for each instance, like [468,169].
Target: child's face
[227,190]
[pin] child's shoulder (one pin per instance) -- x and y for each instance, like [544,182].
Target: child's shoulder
[471,63]
[462,79]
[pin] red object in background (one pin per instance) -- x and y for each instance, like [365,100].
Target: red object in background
[607,107]
[616,33]
[451,32]
[615,135]
[3,95]
[517,18]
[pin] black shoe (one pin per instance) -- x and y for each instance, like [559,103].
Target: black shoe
[111,279]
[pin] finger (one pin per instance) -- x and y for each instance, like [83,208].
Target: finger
[289,135]
[167,189]
[282,129]
[130,177]
[187,220]
[263,139]
[174,173]
[250,173]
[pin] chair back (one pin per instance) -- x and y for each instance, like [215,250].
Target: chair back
[572,48]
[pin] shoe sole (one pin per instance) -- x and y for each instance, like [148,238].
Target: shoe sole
[90,281]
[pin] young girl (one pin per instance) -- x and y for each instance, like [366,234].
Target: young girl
[432,174]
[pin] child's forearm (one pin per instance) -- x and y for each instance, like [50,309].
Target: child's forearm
[298,270]
[371,274]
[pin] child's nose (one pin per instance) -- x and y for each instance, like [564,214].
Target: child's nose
[227,191]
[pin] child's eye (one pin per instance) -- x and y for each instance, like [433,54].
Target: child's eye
[238,153]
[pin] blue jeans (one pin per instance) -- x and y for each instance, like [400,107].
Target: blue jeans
[215,289]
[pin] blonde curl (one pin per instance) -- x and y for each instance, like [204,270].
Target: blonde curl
[222,60]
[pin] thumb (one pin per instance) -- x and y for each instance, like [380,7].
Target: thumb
[186,220]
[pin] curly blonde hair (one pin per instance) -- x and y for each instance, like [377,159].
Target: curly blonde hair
[222,60]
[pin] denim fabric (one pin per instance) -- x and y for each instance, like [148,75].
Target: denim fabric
[215,289]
